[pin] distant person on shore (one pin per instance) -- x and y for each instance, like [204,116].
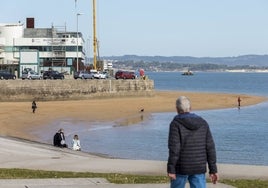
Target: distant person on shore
[34,106]
[191,147]
[239,102]
[59,139]
[76,143]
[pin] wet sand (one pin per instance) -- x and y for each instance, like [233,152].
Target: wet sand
[17,118]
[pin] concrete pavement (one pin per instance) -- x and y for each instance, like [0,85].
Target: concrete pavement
[82,183]
[17,153]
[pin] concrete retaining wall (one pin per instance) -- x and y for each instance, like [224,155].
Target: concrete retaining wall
[43,90]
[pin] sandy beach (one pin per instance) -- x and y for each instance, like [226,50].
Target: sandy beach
[17,117]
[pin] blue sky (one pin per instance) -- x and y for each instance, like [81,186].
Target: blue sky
[200,28]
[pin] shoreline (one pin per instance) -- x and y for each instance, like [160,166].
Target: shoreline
[38,156]
[19,121]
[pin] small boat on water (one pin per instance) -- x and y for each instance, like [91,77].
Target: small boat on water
[188,73]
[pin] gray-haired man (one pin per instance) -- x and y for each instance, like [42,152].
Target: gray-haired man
[191,148]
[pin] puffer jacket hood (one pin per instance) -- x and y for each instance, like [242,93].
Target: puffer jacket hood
[190,121]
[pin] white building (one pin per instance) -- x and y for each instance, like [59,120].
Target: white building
[40,48]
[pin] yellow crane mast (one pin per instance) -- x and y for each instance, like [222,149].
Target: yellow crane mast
[94,36]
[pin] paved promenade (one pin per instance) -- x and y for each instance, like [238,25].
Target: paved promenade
[17,153]
[82,183]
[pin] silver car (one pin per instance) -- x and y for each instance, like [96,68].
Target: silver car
[31,75]
[83,75]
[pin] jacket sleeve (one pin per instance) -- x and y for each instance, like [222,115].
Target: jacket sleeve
[174,146]
[211,153]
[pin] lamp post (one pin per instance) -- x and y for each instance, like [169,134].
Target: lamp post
[77,63]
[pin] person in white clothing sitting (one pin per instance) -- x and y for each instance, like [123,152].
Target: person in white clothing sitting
[76,143]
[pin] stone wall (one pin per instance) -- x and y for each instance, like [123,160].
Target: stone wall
[70,89]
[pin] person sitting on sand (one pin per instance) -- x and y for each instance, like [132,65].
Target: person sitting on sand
[76,143]
[59,139]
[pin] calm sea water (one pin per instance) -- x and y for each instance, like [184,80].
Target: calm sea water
[247,83]
[241,136]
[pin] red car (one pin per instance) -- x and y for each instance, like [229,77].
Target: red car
[125,75]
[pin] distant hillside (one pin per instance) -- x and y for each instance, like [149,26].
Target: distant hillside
[251,60]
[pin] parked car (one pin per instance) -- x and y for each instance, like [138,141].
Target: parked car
[6,75]
[31,75]
[125,75]
[52,75]
[83,75]
[100,75]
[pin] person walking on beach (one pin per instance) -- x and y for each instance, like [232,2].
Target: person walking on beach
[76,143]
[59,139]
[191,147]
[34,106]
[239,102]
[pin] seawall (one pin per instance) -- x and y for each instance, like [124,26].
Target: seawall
[70,89]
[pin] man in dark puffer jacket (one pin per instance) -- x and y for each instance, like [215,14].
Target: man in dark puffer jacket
[191,148]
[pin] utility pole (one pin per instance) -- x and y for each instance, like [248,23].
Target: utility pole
[77,37]
[94,36]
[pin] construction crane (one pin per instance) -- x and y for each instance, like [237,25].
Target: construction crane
[94,36]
